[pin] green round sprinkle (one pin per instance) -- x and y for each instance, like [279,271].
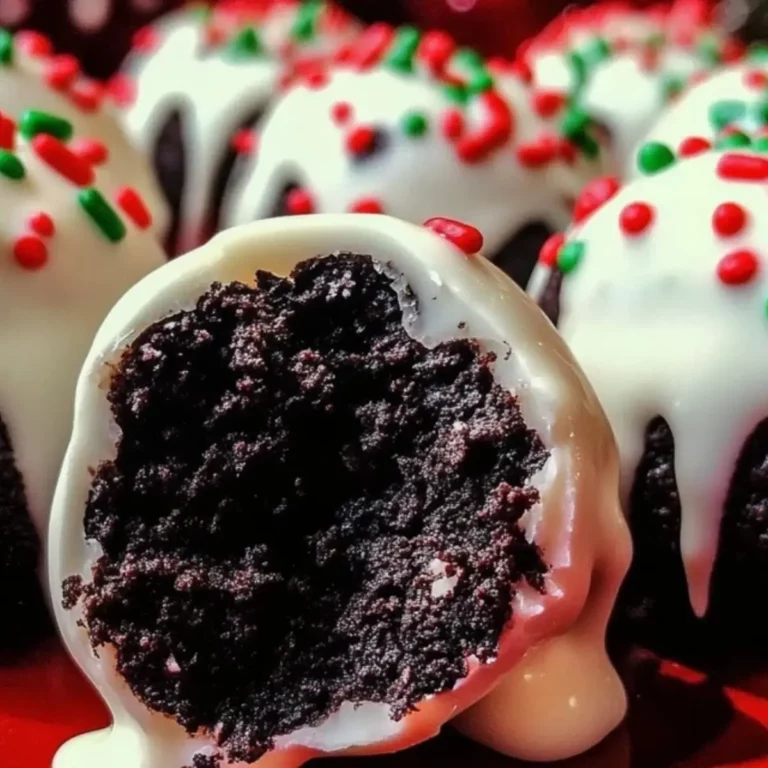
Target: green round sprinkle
[404,49]
[672,86]
[724,113]
[33,122]
[456,93]
[244,45]
[102,214]
[654,157]
[760,144]
[6,47]
[11,166]
[733,140]
[305,25]
[575,123]
[597,50]
[570,255]
[578,69]
[415,124]
[760,111]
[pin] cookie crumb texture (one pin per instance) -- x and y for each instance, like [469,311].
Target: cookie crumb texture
[22,606]
[307,507]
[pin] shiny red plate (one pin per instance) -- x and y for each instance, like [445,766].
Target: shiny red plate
[678,717]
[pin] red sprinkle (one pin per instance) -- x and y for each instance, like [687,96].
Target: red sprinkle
[7,132]
[122,89]
[145,40]
[341,112]
[453,124]
[435,50]
[568,151]
[551,249]
[299,202]
[693,145]
[87,94]
[495,133]
[547,103]
[33,43]
[594,196]
[360,140]
[536,154]
[729,219]
[61,71]
[738,167]
[245,141]
[134,207]
[316,79]
[92,151]
[370,46]
[755,78]
[466,238]
[42,224]
[366,205]
[522,70]
[635,218]
[738,267]
[61,159]
[30,252]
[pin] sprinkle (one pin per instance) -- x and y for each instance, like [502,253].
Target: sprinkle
[575,123]
[6,48]
[61,159]
[760,144]
[7,132]
[635,218]
[244,45]
[709,51]
[570,255]
[42,224]
[371,45]
[366,205]
[467,239]
[758,52]
[522,71]
[34,43]
[244,141]
[404,48]
[341,112]
[88,95]
[723,113]
[456,93]
[415,124]
[299,202]
[453,124]
[122,89]
[654,157]
[538,153]
[736,167]
[547,103]
[733,139]
[61,71]
[551,249]
[34,122]
[578,69]
[672,86]
[729,219]
[316,79]
[30,252]
[693,145]
[92,151]
[435,50]
[10,166]
[145,40]
[480,81]
[494,134]
[756,79]
[760,111]
[361,141]
[102,214]
[134,207]
[738,267]
[305,25]
[594,196]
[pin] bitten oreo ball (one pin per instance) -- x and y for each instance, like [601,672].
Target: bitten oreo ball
[329,482]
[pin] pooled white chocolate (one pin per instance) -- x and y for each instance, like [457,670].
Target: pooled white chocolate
[577,523]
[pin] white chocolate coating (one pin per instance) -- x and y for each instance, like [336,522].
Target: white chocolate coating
[50,315]
[658,334]
[578,522]
[23,86]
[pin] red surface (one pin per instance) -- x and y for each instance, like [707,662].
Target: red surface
[678,718]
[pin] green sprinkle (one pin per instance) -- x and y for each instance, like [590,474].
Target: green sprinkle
[469,59]
[709,51]
[456,93]
[761,112]
[415,124]
[578,69]
[11,166]
[102,214]
[654,157]
[404,49]
[575,123]
[305,26]
[597,50]
[570,255]
[733,140]
[724,113]
[671,86]
[480,82]
[34,122]
[760,144]
[758,52]
[244,45]
[587,144]
[6,47]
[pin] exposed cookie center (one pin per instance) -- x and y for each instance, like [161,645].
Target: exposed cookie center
[308,507]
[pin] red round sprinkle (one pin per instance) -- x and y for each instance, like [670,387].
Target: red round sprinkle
[92,151]
[536,154]
[551,249]
[729,219]
[453,124]
[245,141]
[87,94]
[122,89]
[316,79]
[134,207]
[548,103]
[738,167]
[61,71]
[145,40]
[360,140]
[33,43]
[693,145]
[42,224]
[30,252]
[755,78]
[435,50]
[635,218]
[299,202]
[593,196]
[366,205]
[7,132]
[466,238]
[61,159]
[341,112]
[738,267]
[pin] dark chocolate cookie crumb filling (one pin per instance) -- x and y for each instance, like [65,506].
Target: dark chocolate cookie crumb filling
[296,476]
[22,606]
